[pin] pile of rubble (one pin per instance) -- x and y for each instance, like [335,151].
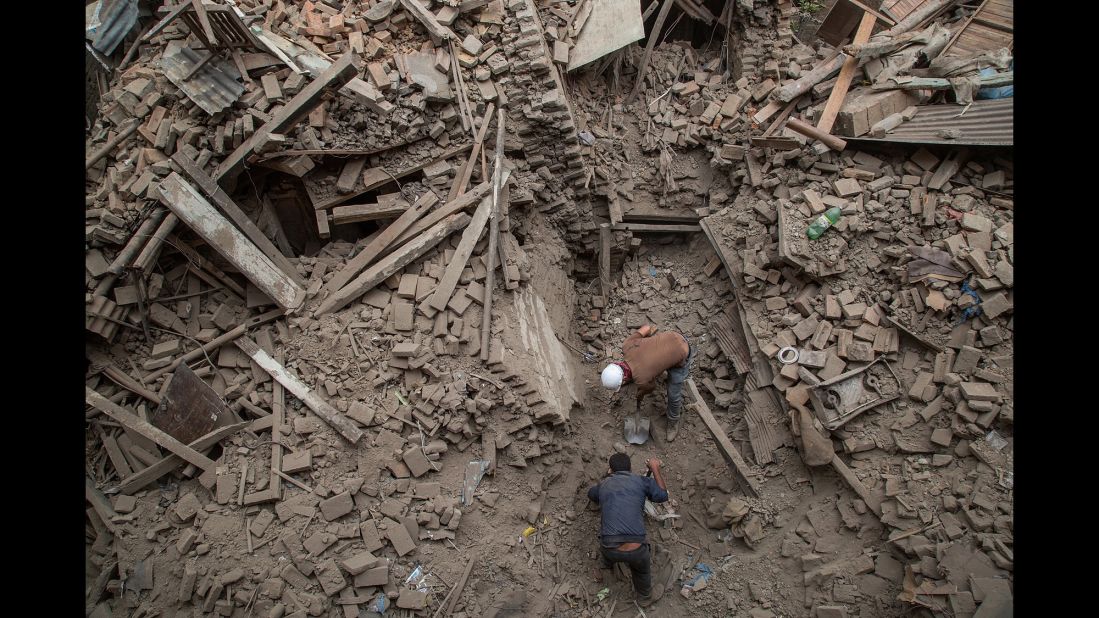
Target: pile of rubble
[337,269]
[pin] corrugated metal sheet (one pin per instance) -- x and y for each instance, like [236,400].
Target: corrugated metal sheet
[985,123]
[213,88]
[116,19]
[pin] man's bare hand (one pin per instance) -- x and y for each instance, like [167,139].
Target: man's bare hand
[653,464]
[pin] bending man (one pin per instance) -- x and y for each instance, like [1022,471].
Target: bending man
[647,354]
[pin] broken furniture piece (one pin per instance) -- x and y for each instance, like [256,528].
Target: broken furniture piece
[849,394]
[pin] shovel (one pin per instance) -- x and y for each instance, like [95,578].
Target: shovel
[637,428]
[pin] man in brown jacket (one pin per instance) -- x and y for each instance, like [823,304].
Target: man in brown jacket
[646,355]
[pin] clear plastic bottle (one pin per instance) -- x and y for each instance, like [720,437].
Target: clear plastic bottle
[823,222]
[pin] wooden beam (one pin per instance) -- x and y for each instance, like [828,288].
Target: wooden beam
[847,73]
[356,213]
[827,68]
[882,18]
[144,260]
[393,263]
[493,238]
[221,199]
[231,243]
[649,45]
[654,227]
[854,483]
[740,468]
[425,17]
[175,12]
[218,342]
[125,381]
[786,111]
[299,389]
[463,202]
[335,76]
[136,242]
[808,130]
[606,237]
[112,143]
[464,174]
[171,462]
[472,233]
[273,493]
[375,247]
[375,177]
[100,503]
[143,428]
[115,454]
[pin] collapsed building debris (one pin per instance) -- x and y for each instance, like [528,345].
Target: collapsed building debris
[299,342]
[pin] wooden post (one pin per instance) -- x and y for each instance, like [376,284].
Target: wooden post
[605,239]
[392,263]
[210,188]
[462,179]
[493,237]
[171,462]
[653,36]
[843,82]
[230,242]
[808,130]
[299,389]
[136,242]
[740,468]
[339,73]
[147,257]
[817,74]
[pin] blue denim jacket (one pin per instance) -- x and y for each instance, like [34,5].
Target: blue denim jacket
[622,498]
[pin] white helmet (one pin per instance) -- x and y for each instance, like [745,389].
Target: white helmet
[612,377]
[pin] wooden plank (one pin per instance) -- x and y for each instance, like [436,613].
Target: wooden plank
[847,73]
[115,454]
[654,227]
[357,213]
[349,175]
[961,30]
[204,21]
[393,263]
[273,493]
[649,45]
[605,238]
[218,342]
[299,389]
[472,233]
[100,503]
[373,249]
[659,216]
[740,468]
[464,201]
[776,143]
[171,462]
[427,19]
[854,483]
[335,76]
[221,199]
[827,68]
[145,429]
[375,177]
[786,111]
[231,243]
[493,238]
[464,174]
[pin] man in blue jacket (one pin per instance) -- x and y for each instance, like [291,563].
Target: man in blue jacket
[621,496]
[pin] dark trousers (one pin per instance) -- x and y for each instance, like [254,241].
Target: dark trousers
[639,561]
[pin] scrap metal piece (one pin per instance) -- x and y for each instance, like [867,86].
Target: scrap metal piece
[849,394]
[213,87]
[189,409]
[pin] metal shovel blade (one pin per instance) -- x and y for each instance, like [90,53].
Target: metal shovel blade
[637,428]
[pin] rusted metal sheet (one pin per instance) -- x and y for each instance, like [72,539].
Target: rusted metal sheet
[213,88]
[190,409]
[984,123]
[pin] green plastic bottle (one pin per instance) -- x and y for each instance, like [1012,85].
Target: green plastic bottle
[823,222]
